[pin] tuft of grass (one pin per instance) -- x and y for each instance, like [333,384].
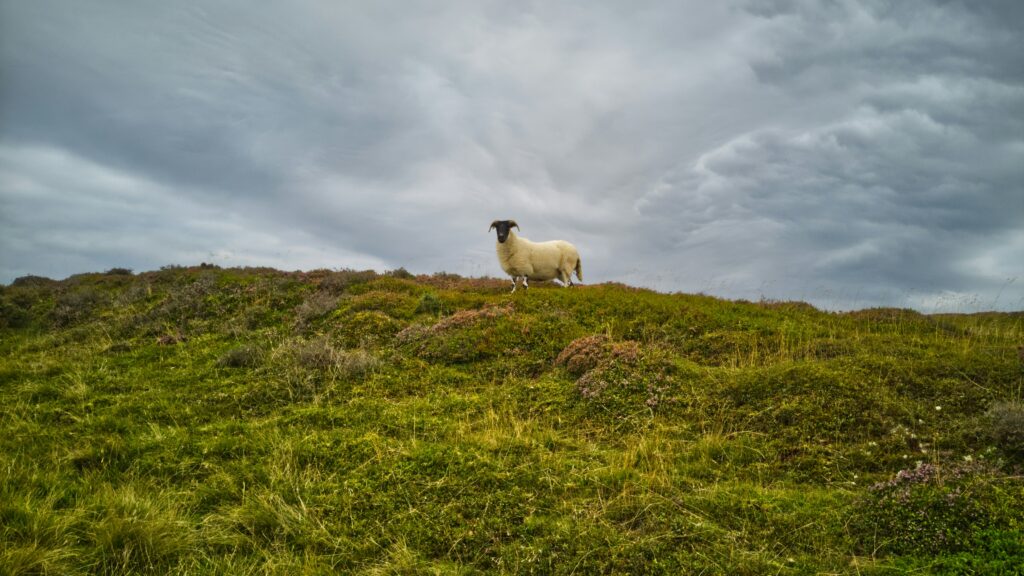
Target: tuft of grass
[317,354]
[320,354]
[132,533]
[246,356]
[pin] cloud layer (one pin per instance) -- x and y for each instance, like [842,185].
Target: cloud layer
[847,153]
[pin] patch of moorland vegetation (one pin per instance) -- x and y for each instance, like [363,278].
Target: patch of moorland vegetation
[243,420]
[940,510]
[1006,427]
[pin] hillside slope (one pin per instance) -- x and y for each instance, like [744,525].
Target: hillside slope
[206,420]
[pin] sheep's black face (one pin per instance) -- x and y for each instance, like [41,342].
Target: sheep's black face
[503,227]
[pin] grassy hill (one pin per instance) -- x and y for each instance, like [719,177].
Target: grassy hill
[251,421]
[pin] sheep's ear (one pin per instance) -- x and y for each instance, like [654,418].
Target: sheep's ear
[512,224]
[493,225]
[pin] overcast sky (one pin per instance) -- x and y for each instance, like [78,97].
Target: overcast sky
[849,154]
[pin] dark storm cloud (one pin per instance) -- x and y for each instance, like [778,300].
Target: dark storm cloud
[850,153]
[912,194]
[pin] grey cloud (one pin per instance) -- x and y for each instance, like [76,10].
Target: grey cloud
[886,205]
[917,177]
[134,222]
[855,44]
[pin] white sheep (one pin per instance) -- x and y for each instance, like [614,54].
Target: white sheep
[535,260]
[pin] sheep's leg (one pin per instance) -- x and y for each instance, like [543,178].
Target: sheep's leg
[564,278]
[526,282]
[514,278]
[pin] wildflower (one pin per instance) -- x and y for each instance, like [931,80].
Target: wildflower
[938,408]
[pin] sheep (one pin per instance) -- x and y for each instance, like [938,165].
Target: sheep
[535,260]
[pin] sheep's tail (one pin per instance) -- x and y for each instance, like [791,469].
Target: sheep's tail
[579,268]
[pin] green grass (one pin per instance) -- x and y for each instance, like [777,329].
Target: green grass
[251,421]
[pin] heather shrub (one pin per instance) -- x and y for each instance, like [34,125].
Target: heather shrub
[34,281]
[933,509]
[189,301]
[400,273]
[315,306]
[430,304]
[627,380]
[76,305]
[1006,427]
[584,354]
[338,282]
[465,336]
[364,327]
[394,304]
[991,552]
[14,312]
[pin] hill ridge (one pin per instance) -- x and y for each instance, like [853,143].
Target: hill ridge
[238,420]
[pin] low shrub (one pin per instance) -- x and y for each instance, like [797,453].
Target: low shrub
[430,304]
[993,552]
[315,306]
[933,509]
[74,306]
[1006,427]
[35,281]
[584,354]
[394,304]
[400,273]
[465,336]
[14,312]
[622,378]
[364,328]
[338,282]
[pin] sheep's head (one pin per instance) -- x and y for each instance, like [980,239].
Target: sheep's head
[503,227]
